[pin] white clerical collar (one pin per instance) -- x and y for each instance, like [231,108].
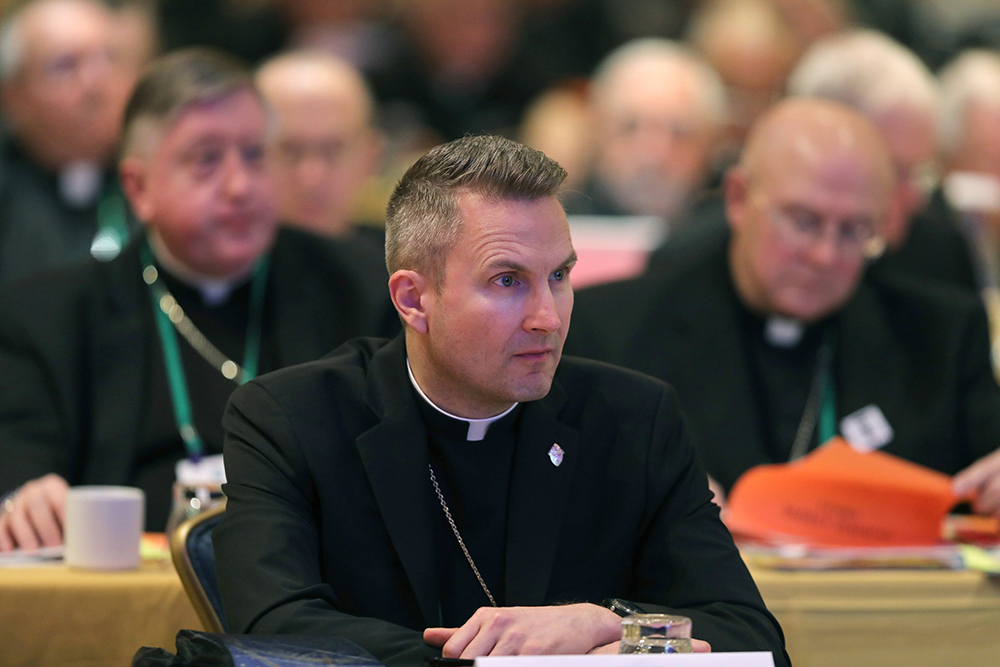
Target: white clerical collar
[783,331]
[477,427]
[214,291]
[80,184]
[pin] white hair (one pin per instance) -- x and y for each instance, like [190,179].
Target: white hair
[973,78]
[11,45]
[710,89]
[868,71]
[12,34]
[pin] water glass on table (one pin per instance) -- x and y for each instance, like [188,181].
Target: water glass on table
[656,633]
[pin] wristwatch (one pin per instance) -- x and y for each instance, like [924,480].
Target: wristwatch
[622,607]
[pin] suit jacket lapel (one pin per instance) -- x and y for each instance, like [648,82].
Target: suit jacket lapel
[537,501]
[395,458]
[119,348]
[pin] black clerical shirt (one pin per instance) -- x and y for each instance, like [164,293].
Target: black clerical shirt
[784,376]
[161,447]
[474,477]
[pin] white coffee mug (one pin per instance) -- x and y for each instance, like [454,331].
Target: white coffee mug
[103,527]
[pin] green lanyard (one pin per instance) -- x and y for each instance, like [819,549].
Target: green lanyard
[112,224]
[828,408]
[171,350]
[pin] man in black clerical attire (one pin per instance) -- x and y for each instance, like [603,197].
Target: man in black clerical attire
[63,91]
[114,371]
[773,340]
[452,491]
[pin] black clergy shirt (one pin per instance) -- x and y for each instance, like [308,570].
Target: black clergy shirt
[474,476]
[160,444]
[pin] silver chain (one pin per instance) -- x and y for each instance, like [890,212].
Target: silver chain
[807,425]
[458,536]
[186,328]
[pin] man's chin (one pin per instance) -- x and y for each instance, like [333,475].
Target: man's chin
[808,312]
[532,389]
[234,264]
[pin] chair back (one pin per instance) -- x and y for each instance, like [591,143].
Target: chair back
[194,558]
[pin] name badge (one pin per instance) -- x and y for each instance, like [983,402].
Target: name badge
[867,429]
[208,470]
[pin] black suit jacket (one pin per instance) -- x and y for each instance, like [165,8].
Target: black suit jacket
[76,345]
[38,230]
[917,350]
[330,521]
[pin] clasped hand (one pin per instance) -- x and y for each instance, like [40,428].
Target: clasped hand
[563,629]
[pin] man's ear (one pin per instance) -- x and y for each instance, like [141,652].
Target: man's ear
[736,188]
[407,290]
[135,184]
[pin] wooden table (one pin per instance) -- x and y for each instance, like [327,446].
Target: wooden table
[51,615]
[885,618]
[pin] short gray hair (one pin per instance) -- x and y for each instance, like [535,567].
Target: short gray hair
[711,91]
[868,71]
[11,45]
[12,33]
[973,78]
[177,81]
[422,219]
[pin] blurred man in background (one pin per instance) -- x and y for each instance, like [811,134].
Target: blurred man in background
[62,90]
[113,372]
[775,343]
[658,112]
[324,146]
[970,128]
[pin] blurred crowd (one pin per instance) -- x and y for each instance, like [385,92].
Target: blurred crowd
[646,103]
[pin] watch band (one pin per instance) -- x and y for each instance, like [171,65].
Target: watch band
[622,607]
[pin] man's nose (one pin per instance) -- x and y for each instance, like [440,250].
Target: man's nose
[311,171]
[95,70]
[235,176]
[825,249]
[654,144]
[542,313]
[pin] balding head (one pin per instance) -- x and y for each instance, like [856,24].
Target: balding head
[806,204]
[659,109]
[799,137]
[63,93]
[324,148]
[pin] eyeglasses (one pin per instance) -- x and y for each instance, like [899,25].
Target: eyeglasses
[802,228]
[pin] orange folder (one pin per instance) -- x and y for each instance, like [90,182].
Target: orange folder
[837,496]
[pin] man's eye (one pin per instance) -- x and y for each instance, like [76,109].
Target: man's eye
[805,222]
[206,158]
[856,233]
[62,66]
[559,275]
[506,281]
[253,153]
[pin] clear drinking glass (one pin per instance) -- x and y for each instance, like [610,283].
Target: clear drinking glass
[656,633]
